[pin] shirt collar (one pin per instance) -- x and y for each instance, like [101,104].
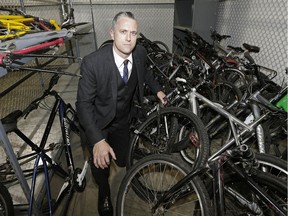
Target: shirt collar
[119,60]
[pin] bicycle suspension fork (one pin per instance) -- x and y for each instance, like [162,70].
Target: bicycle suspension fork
[259,129]
[193,102]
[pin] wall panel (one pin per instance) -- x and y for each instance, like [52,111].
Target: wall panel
[258,22]
[155,20]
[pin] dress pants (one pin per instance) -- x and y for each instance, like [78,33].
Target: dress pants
[117,135]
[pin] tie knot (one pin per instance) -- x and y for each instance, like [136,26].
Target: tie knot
[126,61]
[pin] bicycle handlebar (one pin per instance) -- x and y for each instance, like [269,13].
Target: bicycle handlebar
[35,103]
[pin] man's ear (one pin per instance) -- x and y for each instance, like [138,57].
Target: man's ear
[112,34]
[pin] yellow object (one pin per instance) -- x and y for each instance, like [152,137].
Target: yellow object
[16,25]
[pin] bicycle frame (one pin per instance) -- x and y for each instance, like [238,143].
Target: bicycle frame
[20,51]
[62,109]
[233,121]
[7,169]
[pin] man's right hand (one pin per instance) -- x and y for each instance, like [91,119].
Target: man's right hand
[101,154]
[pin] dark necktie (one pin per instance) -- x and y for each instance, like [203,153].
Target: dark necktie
[125,71]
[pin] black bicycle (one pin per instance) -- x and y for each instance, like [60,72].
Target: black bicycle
[6,203]
[74,178]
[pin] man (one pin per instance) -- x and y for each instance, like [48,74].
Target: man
[104,100]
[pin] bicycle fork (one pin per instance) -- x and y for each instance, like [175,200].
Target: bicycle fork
[259,129]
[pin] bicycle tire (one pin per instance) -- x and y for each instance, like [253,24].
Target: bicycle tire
[226,93]
[161,44]
[152,138]
[105,43]
[275,187]
[6,202]
[275,132]
[273,165]
[237,77]
[158,173]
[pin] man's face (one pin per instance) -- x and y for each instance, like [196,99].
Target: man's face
[124,35]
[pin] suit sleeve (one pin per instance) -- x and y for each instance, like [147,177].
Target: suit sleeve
[152,83]
[87,91]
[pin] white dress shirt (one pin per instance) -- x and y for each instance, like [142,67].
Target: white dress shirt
[119,61]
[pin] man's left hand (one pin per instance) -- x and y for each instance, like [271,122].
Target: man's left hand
[162,97]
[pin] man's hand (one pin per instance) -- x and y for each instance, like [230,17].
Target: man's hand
[101,154]
[162,97]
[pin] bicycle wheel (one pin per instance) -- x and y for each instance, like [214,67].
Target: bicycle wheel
[105,43]
[6,203]
[237,192]
[273,165]
[223,93]
[147,180]
[172,129]
[235,76]
[275,129]
[226,93]
[162,46]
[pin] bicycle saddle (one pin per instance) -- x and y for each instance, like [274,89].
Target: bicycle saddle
[251,48]
[10,121]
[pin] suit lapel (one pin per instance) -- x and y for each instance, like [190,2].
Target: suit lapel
[113,70]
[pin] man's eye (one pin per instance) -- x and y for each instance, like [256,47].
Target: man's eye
[134,33]
[123,32]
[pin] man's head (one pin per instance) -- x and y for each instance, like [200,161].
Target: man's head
[124,33]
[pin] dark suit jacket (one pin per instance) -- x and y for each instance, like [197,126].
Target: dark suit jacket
[97,89]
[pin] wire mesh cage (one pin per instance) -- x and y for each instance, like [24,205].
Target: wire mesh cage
[20,87]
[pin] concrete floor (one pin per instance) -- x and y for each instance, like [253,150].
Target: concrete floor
[85,203]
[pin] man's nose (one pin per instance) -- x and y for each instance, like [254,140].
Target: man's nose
[128,37]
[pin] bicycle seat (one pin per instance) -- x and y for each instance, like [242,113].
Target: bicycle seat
[251,48]
[10,121]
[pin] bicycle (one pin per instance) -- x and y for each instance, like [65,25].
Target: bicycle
[158,185]
[6,203]
[74,178]
[143,181]
[154,135]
